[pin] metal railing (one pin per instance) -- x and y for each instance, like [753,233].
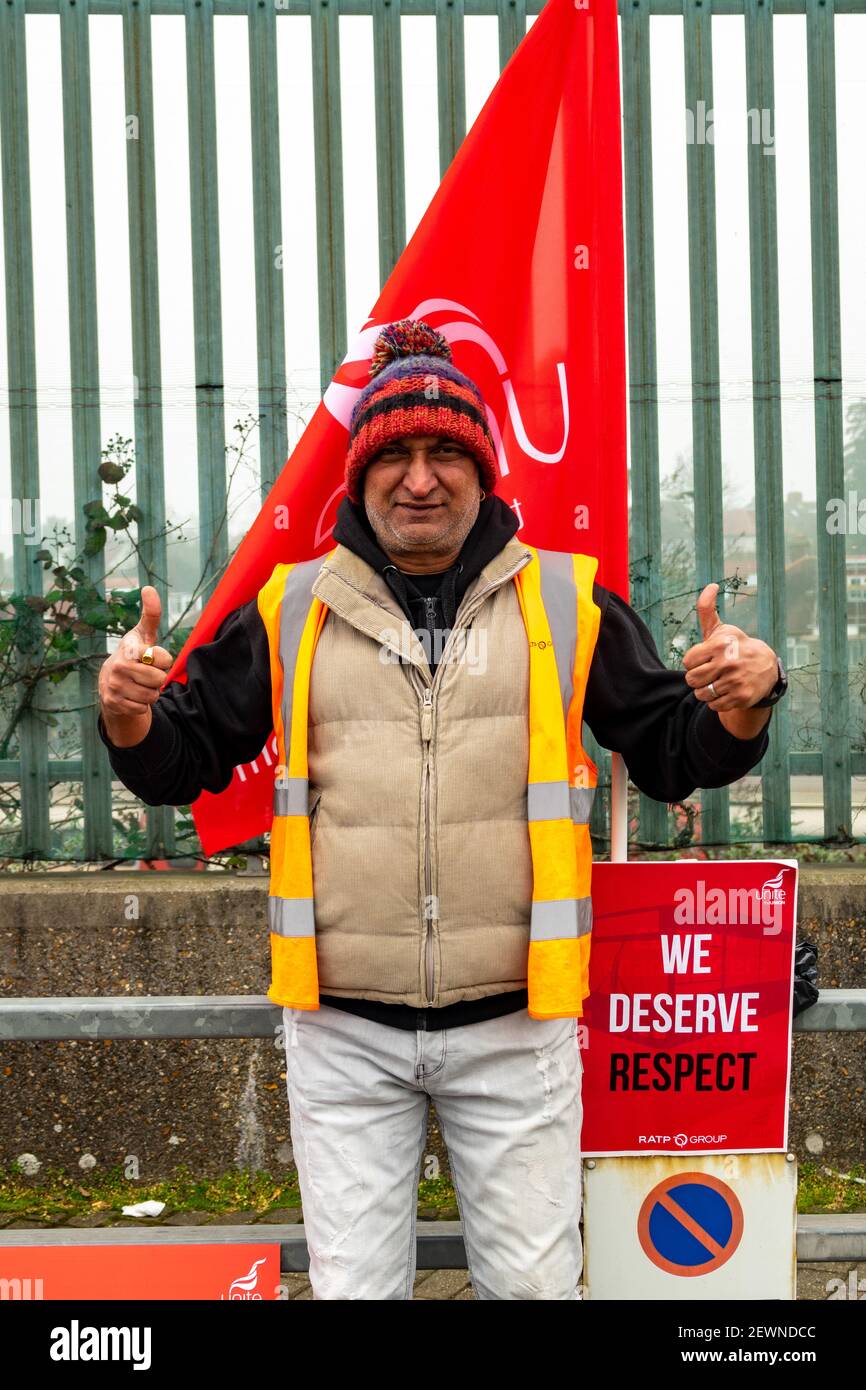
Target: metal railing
[254,1016]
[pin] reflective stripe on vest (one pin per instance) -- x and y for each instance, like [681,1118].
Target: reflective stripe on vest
[554,592]
[556,602]
[290,793]
[292,615]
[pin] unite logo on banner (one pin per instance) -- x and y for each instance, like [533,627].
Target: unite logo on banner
[245,1288]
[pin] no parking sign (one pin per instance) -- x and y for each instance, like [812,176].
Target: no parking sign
[690,1223]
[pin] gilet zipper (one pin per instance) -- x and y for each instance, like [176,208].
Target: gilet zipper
[430,908]
[426,737]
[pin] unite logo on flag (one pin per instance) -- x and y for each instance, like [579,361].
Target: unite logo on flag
[340,399]
[493,376]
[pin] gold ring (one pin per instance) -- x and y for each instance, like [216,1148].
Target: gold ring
[147,656]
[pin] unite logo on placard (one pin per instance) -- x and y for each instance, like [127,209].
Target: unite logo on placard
[772,891]
[244,1288]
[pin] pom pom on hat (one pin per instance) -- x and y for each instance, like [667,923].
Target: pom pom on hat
[407,338]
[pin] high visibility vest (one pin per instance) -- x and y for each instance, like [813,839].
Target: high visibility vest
[554,591]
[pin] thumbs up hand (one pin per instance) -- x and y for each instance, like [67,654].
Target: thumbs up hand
[129,686]
[708,613]
[728,669]
[147,626]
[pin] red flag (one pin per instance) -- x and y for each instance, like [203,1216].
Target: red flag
[518,261]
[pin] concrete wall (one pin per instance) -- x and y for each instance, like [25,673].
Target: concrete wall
[215,1105]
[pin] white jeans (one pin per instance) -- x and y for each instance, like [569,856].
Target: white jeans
[508,1099]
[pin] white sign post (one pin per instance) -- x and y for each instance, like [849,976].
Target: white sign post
[703,1226]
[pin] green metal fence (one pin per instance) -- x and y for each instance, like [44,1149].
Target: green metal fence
[835,761]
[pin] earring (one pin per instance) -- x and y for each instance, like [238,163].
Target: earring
[483,495]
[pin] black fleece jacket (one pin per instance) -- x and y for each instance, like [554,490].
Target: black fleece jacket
[671,741]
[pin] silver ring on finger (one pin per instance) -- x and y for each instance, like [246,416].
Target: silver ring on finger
[713,689]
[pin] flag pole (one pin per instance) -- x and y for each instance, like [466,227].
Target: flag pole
[618,809]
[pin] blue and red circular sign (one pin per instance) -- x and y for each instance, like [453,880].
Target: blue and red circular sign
[690,1224]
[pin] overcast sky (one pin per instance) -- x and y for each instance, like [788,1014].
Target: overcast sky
[296,134]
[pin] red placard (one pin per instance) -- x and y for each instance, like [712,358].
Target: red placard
[235,1273]
[686,1035]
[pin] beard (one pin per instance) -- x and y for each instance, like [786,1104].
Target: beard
[397,540]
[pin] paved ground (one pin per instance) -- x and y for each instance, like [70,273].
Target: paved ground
[435,1284]
[815,1283]
[831,1281]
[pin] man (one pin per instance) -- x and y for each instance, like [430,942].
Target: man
[426,684]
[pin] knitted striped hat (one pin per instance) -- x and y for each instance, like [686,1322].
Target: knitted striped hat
[401,399]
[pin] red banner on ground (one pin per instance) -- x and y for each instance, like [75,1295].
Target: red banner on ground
[234,1273]
[686,1038]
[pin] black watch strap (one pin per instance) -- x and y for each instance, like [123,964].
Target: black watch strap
[778,689]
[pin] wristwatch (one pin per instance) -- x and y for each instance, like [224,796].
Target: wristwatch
[778,689]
